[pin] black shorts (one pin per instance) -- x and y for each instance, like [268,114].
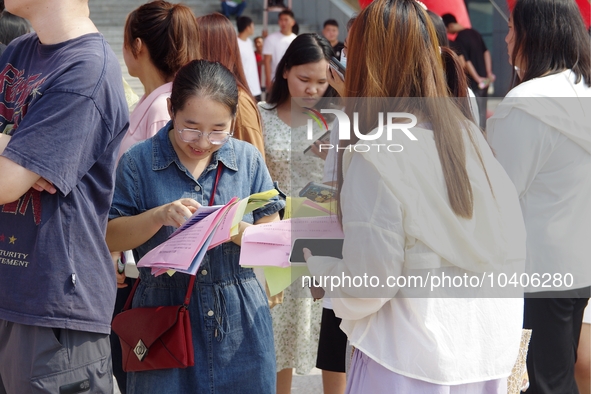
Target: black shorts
[332,345]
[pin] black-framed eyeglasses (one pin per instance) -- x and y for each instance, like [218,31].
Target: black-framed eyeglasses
[214,137]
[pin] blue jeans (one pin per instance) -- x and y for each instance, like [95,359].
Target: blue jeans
[228,10]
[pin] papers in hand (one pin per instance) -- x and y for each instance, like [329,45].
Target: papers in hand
[207,228]
[270,244]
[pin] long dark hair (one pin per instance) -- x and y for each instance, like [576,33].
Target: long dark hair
[306,48]
[550,36]
[455,77]
[202,78]
[168,31]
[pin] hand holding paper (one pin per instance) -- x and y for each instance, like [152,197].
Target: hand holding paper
[206,228]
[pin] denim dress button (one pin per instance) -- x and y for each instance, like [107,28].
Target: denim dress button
[210,313]
[204,272]
[197,188]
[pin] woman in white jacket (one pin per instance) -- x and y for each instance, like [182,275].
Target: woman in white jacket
[541,134]
[438,214]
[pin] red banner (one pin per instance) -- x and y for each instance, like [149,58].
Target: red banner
[458,8]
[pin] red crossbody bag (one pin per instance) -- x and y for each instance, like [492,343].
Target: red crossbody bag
[157,337]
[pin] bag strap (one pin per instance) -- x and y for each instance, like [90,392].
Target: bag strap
[192,280]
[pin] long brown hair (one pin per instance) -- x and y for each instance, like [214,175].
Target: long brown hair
[219,43]
[168,31]
[393,52]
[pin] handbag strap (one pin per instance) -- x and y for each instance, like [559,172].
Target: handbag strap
[192,280]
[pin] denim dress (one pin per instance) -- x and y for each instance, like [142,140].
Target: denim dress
[230,317]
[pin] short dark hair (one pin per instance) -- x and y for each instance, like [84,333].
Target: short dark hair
[202,78]
[287,12]
[331,22]
[448,19]
[242,23]
[550,36]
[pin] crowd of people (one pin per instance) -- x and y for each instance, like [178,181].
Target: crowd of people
[84,182]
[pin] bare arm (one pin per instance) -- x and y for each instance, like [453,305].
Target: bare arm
[472,72]
[268,81]
[15,180]
[3,142]
[128,232]
[488,65]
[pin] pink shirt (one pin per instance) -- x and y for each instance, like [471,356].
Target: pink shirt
[149,116]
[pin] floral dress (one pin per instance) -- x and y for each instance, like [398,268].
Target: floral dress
[296,322]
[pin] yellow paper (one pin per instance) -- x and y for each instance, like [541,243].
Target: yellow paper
[278,279]
[301,209]
[269,194]
[247,205]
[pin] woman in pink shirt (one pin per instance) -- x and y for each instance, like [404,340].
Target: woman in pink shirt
[160,38]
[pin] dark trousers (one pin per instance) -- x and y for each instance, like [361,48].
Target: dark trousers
[556,327]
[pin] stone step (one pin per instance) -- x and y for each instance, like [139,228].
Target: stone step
[114,36]
[110,15]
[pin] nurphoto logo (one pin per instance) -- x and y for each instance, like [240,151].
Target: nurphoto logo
[388,121]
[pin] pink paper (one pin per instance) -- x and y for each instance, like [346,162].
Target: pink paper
[270,244]
[178,252]
[222,232]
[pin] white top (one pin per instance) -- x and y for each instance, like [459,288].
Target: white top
[148,117]
[330,175]
[398,221]
[544,144]
[275,45]
[474,106]
[249,64]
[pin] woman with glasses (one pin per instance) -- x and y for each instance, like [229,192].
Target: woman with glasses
[160,183]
